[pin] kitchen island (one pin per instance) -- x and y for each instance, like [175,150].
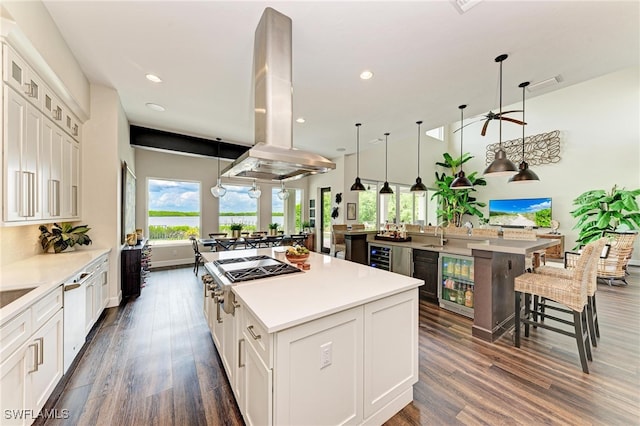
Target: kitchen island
[335,344]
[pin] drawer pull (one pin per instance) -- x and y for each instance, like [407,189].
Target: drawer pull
[71,287]
[240,363]
[35,357]
[41,350]
[252,333]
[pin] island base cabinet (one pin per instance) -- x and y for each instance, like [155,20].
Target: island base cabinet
[318,371]
[257,398]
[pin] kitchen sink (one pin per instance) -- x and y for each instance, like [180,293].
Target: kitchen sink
[434,246]
[9,296]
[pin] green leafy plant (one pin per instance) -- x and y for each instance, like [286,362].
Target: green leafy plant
[456,203]
[305,225]
[598,211]
[63,236]
[273,226]
[236,226]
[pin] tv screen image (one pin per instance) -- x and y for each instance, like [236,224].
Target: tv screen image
[521,212]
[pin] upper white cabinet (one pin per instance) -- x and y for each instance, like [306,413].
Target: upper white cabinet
[41,148]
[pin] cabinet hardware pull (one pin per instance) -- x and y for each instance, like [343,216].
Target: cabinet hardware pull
[240,364]
[71,287]
[35,358]
[41,348]
[252,333]
[218,303]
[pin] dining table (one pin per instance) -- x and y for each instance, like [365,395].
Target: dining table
[252,241]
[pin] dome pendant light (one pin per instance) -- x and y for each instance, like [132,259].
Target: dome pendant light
[218,191]
[525,175]
[461,181]
[418,187]
[501,165]
[386,189]
[283,194]
[357,185]
[255,192]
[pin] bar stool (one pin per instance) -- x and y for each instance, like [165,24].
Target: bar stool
[570,263]
[570,292]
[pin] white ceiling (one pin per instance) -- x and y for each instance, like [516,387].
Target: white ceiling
[427,59]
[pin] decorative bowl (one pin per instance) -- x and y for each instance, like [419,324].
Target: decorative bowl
[297,258]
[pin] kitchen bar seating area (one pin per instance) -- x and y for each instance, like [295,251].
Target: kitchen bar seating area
[154,359]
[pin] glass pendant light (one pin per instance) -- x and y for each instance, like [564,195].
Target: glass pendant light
[418,187]
[525,175]
[283,194]
[501,165]
[255,192]
[461,181]
[386,189]
[357,185]
[218,191]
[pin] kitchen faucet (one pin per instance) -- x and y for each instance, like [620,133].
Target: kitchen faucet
[441,233]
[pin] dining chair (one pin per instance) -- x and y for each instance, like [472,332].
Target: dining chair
[225,243]
[569,292]
[337,237]
[614,267]
[197,255]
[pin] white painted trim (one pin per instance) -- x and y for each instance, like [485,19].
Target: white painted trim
[172,262]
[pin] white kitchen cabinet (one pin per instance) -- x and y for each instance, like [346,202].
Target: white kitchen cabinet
[104,283]
[30,372]
[21,144]
[51,166]
[94,287]
[257,386]
[41,148]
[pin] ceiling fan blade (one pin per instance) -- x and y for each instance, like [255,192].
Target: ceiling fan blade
[509,112]
[513,120]
[484,128]
[468,124]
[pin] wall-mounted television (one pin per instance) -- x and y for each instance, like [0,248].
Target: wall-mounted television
[521,212]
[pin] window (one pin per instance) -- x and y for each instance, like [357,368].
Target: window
[289,221]
[377,208]
[237,207]
[437,133]
[367,206]
[173,209]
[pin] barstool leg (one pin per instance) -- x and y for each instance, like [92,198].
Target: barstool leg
[584,350]
[518,309]
[591,322]
[527,313]
[595,315]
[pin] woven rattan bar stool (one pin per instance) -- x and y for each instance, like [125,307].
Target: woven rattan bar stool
[570,263]
[614,267]
[569,292]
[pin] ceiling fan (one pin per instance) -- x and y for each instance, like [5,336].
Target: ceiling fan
[494,116]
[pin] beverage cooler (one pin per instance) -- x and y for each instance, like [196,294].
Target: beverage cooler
[455,289]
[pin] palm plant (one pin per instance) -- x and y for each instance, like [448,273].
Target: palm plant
[456,203]
[598,211]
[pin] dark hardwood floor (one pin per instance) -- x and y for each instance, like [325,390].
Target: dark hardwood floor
[152,362]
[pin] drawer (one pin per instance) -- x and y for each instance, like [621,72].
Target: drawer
[46,307]
[257,336]
[14,333]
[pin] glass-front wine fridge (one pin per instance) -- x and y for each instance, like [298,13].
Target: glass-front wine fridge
[456,289]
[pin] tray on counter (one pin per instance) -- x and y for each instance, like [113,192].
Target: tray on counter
[397,240]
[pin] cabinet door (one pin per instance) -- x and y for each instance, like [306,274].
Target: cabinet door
[66,190]
[104,283]
[89,305]
[75,179]
[22,133]
[51,169]
[15,389]
[258,388]
[50,351]
[216,324]
[390,349]
[425,267]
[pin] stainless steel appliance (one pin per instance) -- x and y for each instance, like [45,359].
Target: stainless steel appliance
[228,272]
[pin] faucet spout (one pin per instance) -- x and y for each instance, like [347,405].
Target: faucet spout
[435,233]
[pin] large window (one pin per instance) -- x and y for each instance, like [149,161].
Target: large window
[237,207]
[367,205]
[173,209]
[287,213]
[403,206]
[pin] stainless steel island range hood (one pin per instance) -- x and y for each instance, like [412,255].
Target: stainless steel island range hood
[273,156]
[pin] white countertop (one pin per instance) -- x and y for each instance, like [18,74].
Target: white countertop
[331,285]
[45,271]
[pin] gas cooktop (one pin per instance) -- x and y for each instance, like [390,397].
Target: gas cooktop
[253,267]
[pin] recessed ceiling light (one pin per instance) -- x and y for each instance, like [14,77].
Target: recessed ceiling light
[155,107]
[154,78]
[300,120]
[341,149]
[366,75]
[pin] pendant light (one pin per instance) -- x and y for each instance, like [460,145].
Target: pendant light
[255,192]
[357,185]
[386,189]
[461,181]
[283,194]
[418,187]
[218,191]
[501,165]
[525,175]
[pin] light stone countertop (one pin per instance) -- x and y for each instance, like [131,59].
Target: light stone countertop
[45,272]
[331,285]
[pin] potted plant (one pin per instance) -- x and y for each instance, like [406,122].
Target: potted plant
[598,211]
[235,229]
[273,229]
[455,203]
[63,237]
[306,227]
